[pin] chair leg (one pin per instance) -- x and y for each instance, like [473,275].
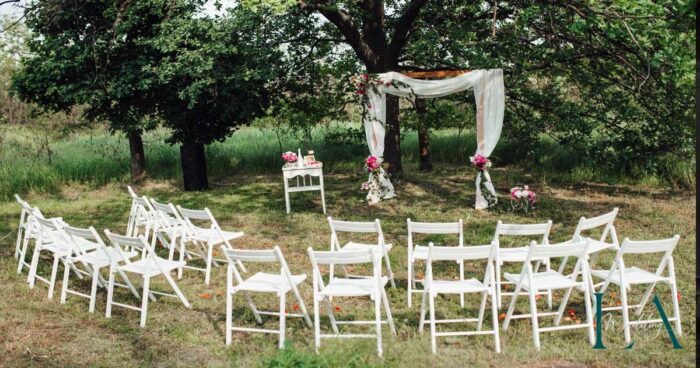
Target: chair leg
[387,310]
[249,299]
[110,292]
[207,274]
[461,278]
[131,286]
[331,316]
[64,285]
[229,311]
[562,306]
[378,323]
[535,322]
[676,308]
[511,308]
[549,292]
[498,286]
[409,283]
[144,300]
[433,338]
[302,306]
[31,278]
[625,314]
[317,324]
[54,270]
[23,252]
[589,315]
[176,289]
[93,291]
[422,312]
[181,259]
[482,309]
[388,268]
[494,324]
[282,318]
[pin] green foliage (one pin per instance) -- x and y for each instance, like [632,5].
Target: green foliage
[93,53]
[214,74]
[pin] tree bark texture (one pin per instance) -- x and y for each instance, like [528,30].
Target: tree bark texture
[423,138]
[194,166]
[138,159]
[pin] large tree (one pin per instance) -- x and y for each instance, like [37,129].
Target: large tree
[92,53]
[214,76]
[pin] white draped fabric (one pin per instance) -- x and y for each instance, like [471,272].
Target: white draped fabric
[490,104]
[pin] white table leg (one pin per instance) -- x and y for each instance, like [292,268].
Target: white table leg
[286,193]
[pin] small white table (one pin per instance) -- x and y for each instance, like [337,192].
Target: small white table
[301,174]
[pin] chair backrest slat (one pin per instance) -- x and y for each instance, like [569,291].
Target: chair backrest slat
[80,232]
[523,229]
[353,227]
[342,258]
[649,246]
[594,222]
[162,207]
[138,242]
[446,253]
[576,249]
[194,214]
[257,255]
[434,227]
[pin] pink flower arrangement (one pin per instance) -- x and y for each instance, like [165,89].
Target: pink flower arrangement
[364,186]
[480,162]
[372,164]
[289,156]
[518,193]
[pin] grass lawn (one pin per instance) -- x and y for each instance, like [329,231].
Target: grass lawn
[39,332]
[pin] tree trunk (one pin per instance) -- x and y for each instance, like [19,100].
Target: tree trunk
[392,139]
[194,166]
[423,138]
[138,159]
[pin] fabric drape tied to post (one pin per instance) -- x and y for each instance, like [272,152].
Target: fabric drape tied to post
[490,104]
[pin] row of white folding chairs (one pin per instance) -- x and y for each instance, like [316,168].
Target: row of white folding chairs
[83,253]
[177,228]
[529,280]
[510,254]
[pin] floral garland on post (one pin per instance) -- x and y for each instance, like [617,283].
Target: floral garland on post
[482,163]
[374,185]
[365,82]
[522,197]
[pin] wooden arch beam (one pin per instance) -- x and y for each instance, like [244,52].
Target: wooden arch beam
[436,74]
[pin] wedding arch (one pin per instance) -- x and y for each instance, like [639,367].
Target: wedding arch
[488,94]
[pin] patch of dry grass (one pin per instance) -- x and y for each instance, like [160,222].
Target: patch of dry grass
[38,332]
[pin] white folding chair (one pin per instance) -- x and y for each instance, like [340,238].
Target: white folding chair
[279,283]
[168,227]
[621,274]
[372,227]
[28,230]
[486,288]
[148,267]
[205,238]
[416,252]
[350,287]
[532,281]
[91,252]
[51,240]
[518,254]
[140,216]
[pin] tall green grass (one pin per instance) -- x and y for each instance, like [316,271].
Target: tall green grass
[97,157]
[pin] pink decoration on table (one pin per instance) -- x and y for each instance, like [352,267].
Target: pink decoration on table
[289,156]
